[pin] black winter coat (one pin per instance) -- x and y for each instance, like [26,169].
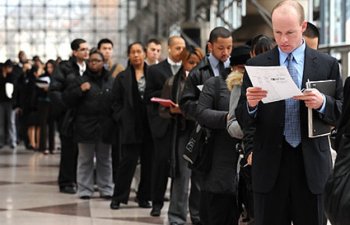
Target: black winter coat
[129,109]
[222,176]
[190,94]
[62,77]
[93,113]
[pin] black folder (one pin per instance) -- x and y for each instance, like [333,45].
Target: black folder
[317,127]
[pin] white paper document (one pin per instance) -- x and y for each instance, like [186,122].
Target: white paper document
[200,87]
[276,80]
[9,89]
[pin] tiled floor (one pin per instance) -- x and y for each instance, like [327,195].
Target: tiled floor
[29,196]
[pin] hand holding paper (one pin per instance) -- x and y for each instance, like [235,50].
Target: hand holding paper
[275,80]
[255,95]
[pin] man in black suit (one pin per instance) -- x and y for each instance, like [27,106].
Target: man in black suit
[289,169]
[160,127]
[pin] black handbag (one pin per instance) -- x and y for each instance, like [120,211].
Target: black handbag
[199,149]
[337,190]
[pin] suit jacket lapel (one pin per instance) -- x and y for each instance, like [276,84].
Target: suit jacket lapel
[128,85]
[167,68]
[310,66]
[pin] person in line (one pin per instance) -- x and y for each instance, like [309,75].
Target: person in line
[90,96]
[289,169]
[48,138]
[130,113]
[160,127]
[7,114]
[35,108]
[20,94]
[217,62]
[65,72]
[220,184]
[220,45]
[105,46]
[182,198]
[153,49]
[239,56]
[311,36]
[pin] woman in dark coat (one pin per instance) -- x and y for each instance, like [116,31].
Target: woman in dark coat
[183,198]
[218,193]
[129,111]
[90,97]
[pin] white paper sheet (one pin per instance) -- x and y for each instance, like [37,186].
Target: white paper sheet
[9,89]
[276,80]
[200,87]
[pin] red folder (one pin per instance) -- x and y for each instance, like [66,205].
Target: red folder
[163,102]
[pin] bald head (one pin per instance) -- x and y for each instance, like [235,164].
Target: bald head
[287,5]
[288,25]
[175,46]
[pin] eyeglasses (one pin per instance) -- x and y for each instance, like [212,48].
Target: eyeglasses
[94,60]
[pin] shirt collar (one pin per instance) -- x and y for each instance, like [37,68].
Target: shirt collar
[214,61]
[298,54]
[171,62]
[82,68]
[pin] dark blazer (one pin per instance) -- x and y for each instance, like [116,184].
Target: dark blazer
[222,176]
[344,119]
[158,74]
[269,123]
[129,110]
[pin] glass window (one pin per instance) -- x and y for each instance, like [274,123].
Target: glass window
[46,27]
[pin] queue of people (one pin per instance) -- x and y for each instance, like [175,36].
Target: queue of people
[264,168]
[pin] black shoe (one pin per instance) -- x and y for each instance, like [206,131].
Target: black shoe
[144,204]
[155,210]
[85,197]
[115,204]
[107,197]
[68,190]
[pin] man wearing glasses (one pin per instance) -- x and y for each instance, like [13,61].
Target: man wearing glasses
[64,74]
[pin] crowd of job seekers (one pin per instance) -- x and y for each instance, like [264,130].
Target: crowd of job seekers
[265,170]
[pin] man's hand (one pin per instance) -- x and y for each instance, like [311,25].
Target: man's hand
[85,86]
[250,159]
[312,98]
[254,96]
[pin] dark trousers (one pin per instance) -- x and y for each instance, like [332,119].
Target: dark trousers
[68,165]
[43,108]
[218,209]
[160,168]
[130,154]
[290,200]
[51,123]
[115,160]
